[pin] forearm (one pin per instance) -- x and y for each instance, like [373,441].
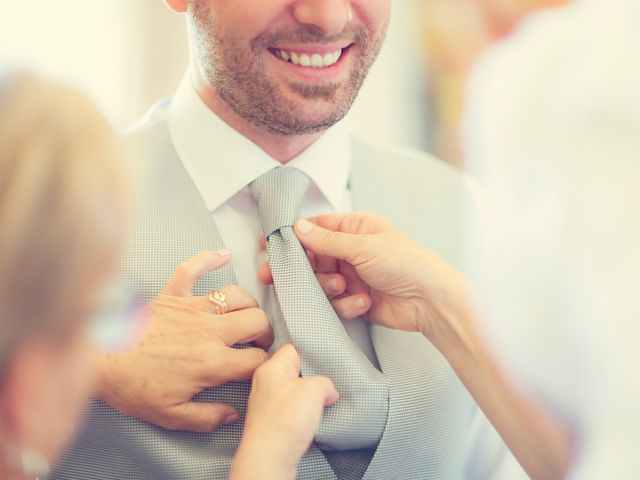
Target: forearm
[538,441]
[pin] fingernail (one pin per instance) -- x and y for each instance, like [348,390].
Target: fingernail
[360,303]
[223,253]
[231,419]
[304,226]
[333,285]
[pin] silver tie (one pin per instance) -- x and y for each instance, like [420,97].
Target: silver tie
[358,419]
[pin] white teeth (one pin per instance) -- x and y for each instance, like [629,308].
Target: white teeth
[305,61]
[316,60]
[313,60]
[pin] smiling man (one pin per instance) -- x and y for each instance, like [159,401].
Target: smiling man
[251,140]
[282,72]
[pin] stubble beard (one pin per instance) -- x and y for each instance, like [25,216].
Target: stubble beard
[239,78]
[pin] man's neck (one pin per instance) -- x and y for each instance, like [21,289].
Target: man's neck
[282,148]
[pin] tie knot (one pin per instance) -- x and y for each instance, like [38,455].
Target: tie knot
[278,194]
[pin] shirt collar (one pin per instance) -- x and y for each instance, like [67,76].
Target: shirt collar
[221,161]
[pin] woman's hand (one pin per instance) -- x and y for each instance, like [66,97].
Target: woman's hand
[284,412]
[385,275]
[184,348]
[400,284]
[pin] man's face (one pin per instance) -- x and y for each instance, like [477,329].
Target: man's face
[288,66]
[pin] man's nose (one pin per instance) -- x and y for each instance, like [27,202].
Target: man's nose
[327,17]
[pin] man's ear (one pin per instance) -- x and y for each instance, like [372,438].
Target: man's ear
[178,6]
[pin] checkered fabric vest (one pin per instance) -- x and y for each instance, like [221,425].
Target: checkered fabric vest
[428,413]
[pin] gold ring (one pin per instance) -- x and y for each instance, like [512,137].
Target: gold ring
[219,301]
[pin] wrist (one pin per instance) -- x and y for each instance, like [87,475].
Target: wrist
[447,319]
[262,459]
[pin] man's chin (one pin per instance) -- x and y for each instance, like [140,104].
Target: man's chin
[301,127]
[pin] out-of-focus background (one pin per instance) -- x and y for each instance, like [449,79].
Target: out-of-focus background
[129,53]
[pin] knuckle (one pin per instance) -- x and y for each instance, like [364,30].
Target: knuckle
[328,236]
[232,290]
[319,385]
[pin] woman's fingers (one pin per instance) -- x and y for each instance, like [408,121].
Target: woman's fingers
[343,246]
[283,365]
[243,326]
[188,273]
[235,298]
[264,274]
[333,284]
[353,306]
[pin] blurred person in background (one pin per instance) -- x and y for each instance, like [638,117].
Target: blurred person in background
[455,34]
[552,130]
[61,218]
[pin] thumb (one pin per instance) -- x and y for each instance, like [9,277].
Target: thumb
[322,388]
[189,272]
[286,360]
[343,246]
[200,417]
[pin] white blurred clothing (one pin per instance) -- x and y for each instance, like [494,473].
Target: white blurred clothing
[552,130]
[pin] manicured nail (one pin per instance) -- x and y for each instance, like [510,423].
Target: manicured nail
[223,253]
[360,303]
[304,226]
[333,285]
[231,419]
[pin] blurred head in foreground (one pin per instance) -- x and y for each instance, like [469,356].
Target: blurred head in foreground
[61,220]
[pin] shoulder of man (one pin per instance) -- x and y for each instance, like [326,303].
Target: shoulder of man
[418,192]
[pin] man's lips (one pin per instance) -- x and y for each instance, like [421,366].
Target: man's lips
[320,57]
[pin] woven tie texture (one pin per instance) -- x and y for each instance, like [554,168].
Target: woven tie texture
[358,419]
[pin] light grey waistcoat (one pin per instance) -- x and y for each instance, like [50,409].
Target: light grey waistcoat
[429,410]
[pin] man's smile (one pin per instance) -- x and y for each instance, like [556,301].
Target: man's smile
[310,57]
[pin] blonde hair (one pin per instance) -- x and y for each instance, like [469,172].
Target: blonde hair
[61,208]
